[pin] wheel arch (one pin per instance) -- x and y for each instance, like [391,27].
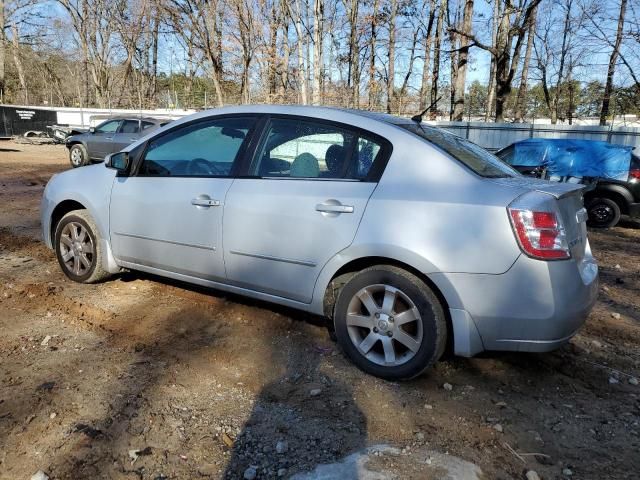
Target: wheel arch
[60,210]
[354,265]
[613,192]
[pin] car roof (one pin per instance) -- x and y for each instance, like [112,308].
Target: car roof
[302,110]
[133,117]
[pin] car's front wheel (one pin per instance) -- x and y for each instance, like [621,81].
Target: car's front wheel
[390,323]
[78,155]
[603,213]
[77,246]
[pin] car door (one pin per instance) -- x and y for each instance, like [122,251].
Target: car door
[128,133]
[99,143]
[307,189]
[168,214]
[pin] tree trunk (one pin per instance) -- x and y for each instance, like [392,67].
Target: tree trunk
[302,75]
[436,60]
[373,43]
[426,66]
[272,59]
[19,68]
[318,26]
[492,75]
[391,55]
[608,88]
[284,75]
[463,56]
[522,90]
[353,77]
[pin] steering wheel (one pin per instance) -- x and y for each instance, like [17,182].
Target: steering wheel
[200,166]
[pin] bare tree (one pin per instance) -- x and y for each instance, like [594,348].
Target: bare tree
[608,87]
[17,60]
[353,58]
[549,55]
[435,76]
[199,23]
[462,60]
[521,99]
[426,59]
[318,27]
[514,24]
[391,54]
[373,44]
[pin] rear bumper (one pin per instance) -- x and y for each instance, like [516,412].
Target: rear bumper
[535,306]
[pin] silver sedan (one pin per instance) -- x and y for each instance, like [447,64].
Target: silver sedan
[408,239]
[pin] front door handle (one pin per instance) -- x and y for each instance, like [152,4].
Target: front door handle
[205,202]
[332,208]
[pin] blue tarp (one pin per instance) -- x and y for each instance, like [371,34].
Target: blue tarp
[564,158]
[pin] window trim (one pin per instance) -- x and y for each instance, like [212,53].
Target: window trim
[242,151]
[373,176]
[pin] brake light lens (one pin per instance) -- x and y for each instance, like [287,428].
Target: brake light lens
[635,173]
[539,230]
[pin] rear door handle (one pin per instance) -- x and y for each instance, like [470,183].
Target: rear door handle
[205,202]
[330,208]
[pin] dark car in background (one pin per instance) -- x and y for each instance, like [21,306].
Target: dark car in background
[109,137]
[611,173]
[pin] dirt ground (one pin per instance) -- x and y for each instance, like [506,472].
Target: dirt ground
[140,377]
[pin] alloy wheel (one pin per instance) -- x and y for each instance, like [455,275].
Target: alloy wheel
[384,325]
[76,248]
[76,157]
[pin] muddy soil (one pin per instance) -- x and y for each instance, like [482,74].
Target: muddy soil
[144,378]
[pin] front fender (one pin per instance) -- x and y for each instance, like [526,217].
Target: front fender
[89,186]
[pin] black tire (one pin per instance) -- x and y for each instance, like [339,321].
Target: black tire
[603,213]
[431,322]
[78,156]
[92,273]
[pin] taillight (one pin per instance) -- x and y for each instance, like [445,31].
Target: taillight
[635,173]
[538,227]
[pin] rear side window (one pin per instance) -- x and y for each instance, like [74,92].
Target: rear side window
[474,157]
[146,125]
[130,126]
[293,148]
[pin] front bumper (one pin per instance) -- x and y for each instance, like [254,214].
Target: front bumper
[536,306]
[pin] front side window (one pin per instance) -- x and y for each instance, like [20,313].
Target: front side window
[110,126]
[130,126]
[473,156]
[304,149]
[203,149]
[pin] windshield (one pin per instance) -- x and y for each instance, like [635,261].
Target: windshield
[476,158]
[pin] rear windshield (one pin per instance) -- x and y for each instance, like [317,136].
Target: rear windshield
[476,158]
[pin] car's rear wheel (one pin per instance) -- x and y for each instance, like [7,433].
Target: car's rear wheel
[77,246]
[603,213]
[390,323]
[78,155]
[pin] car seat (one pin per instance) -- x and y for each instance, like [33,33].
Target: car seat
[334,158]
[305,165]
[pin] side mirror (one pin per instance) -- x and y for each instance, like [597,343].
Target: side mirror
[92,129]
[118,161]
